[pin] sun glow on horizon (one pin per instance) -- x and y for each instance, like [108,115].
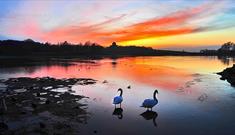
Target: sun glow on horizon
[186,40]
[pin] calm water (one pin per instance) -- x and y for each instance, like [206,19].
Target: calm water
[192,98]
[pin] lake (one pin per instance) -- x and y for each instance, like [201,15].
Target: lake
[192,98]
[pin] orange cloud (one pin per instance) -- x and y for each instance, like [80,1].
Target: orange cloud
[78,33]
[172,24]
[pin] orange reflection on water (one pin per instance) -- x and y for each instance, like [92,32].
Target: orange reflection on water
[155,72]
[167,73]
[160,77]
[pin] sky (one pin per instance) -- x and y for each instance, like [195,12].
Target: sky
[161,24]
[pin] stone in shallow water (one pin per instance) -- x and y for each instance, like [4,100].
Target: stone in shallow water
[65,89]
[203,97]
[43,99]
[20,90]
[47,88]
[57,96]
[3,86]
[3,126]
[58,102]
[43,93]
[105,81]
[27,108]
[42,102]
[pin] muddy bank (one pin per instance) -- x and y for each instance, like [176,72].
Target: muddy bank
[37,105]
[229,75]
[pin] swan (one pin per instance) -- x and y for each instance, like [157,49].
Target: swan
[118,99]
[150,103]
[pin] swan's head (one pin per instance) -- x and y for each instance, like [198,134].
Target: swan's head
[155,94]
[120,91]
[156,91]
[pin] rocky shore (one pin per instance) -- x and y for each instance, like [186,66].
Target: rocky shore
[229,75]
[37,106]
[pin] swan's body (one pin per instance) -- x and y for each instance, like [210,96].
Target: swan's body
[150,103]
[118,99]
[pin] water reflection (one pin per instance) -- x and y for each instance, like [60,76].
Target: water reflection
[182,81]
[226,60]
[118,112]
[114,62]
[159,72]
[150,115]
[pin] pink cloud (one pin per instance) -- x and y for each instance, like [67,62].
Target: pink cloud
[172,24]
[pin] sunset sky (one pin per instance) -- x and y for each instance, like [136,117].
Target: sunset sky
[165,24]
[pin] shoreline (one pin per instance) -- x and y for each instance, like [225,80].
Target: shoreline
[42,105]
[228,74]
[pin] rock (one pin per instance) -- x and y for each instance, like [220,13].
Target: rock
[23,112]
[105,81]
[203,97]
[34,105]
[3,126]
[48,101]
[42,125]
[47,88]
[71,91]
[3,87]
[18,105]
[1,111]
[76,107]
[30,109]
[228,74]
[13,99]
[37,94]
[20,90]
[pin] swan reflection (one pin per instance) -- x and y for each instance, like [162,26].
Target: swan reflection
[118,112]
[150,115]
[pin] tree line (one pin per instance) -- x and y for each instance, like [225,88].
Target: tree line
[88,49]
[226,49]
[31,48]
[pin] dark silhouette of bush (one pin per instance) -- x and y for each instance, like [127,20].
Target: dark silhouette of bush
[227,49]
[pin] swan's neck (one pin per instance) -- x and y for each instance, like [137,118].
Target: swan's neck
[120,93]
[155,95]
